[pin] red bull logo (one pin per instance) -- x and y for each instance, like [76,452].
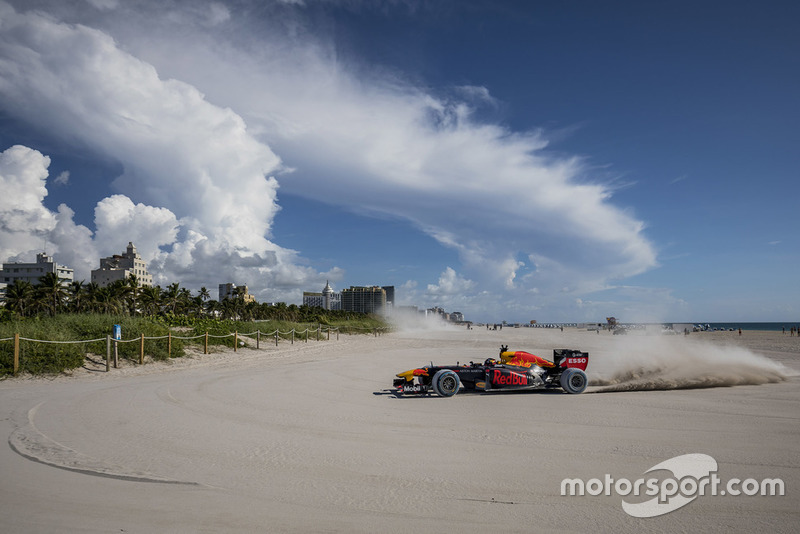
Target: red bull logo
[508,378]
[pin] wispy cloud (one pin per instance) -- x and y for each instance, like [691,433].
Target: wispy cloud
[207,106]
[62,179]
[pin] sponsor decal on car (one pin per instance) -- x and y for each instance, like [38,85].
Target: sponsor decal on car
[508,378]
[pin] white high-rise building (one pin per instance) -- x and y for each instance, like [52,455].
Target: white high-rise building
[330,299]
[31,272]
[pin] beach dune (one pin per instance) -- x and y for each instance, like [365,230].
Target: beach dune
[306,438]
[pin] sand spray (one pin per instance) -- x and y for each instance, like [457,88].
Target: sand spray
[639,363]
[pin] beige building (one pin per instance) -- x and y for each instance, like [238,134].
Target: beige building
[229,290]
[121,267]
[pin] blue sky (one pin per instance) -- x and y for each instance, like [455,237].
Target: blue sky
[557,161]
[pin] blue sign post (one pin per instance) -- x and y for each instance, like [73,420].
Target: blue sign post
[117,336]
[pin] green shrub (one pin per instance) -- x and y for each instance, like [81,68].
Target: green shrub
[88,332]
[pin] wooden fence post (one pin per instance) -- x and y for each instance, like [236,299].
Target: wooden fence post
[319,327]
[235,340]
[337,334]
[205,345]
[108,353]
[16,353]
[141,349]
[169,344]
[258,338]
[292,336]
[276,337]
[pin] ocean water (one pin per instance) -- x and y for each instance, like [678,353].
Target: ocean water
[777,327]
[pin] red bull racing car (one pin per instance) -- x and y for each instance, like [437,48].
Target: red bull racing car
[515,370]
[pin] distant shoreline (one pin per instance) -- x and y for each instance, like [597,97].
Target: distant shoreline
[760,326]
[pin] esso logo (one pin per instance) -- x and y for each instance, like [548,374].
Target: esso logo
[576,360]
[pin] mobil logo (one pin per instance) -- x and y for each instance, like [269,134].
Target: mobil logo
[506,377]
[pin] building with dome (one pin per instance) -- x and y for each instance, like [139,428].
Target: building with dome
[331,300]
[328,299]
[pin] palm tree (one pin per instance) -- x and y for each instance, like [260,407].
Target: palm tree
[19,297]
[133,292]
[119,293]
[93,297]
[77,296]
[184,300]
[106,301]
[196,306]
[213,307]
[151,300]
[204,294]
[52,292]
[170,297]
[279,312]
[248,310]
[226,310]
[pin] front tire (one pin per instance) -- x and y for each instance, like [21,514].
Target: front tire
[446,383]
[574,381]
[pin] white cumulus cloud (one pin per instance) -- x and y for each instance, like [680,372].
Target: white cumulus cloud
[203,185]
[207,107]
[24,221]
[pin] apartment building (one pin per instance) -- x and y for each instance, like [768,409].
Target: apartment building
[121,267]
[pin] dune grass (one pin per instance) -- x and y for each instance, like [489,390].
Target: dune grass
[79,335]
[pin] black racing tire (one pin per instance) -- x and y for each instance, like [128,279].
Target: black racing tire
[446,383]
[574,381]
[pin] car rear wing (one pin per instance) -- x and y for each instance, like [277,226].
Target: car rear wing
[565,358]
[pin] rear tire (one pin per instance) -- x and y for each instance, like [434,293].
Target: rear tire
[446,383]
[573,381]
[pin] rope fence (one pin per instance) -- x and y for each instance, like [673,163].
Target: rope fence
[257,335]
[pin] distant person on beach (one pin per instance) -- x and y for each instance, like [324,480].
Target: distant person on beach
[740,331]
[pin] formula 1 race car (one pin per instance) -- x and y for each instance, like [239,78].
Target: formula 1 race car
[514,371]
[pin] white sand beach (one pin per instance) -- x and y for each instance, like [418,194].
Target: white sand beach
[304,438]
